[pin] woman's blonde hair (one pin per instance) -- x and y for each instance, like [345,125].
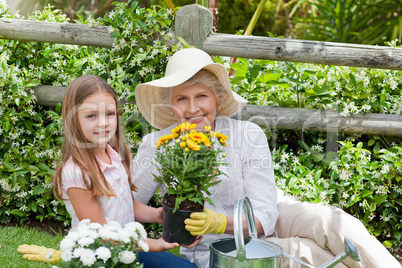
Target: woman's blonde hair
[202,77]
[78,148]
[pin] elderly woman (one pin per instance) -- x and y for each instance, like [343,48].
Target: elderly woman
[198,91]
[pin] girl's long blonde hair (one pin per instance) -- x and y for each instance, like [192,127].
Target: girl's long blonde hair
[78,148]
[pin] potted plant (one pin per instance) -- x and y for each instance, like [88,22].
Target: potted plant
[188,165]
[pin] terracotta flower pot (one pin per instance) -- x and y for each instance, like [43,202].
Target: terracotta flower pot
[174,228]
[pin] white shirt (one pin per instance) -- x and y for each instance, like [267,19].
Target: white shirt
[250,173]
[119,208]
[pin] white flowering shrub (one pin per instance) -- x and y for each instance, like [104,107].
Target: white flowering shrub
[32,134]
[359,173]
[109,245]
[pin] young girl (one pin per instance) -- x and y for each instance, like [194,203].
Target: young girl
[94,178]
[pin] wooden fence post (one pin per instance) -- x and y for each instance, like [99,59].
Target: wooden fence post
[193,23]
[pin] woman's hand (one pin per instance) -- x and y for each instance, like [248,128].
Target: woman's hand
[206,222]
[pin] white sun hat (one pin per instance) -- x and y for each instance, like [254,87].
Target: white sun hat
[183,65]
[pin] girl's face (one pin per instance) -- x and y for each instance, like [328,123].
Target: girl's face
[195,104]
[98,118]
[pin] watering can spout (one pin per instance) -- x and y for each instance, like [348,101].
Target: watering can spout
[349,251]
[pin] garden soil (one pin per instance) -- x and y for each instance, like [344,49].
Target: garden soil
[169,200]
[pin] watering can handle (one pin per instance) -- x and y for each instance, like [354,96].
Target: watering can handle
[243,203]
[194,258]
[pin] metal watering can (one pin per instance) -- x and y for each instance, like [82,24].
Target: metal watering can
[252,252]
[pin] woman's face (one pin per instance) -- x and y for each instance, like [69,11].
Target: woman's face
[196,104]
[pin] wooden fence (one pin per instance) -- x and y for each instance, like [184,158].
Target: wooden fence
[194,24]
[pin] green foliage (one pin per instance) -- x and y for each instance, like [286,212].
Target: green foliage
[351,21]
[344,89]
[365,184]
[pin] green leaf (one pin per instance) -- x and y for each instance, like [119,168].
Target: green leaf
[6,126]
[304,145]
[269,77]
[387,243]
[43,166]
[47,51]
[39,189]
[17,212]
[365,193]
[379,199]
[33,168]
[33,206]
[317,175]
[239,66]
[352,79]
[23,180]
[8,166]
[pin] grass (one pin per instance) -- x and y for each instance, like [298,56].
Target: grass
[12,237]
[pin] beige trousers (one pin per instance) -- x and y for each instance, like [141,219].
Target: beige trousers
[315,233]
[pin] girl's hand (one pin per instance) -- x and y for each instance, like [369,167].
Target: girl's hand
[158,245]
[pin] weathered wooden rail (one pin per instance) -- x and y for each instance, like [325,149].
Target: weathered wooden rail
[54,32]
[194,24]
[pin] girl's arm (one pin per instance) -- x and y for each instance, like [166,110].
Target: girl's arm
[85,205]
[147,214]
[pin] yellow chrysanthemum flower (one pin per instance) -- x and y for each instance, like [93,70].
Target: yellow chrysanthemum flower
[182,127]
[176,129]
[186,127]
[192,145]
[208,128]
[182,144]
[157,144]
[165,139]
[206,142]
[221,137]
[198,137]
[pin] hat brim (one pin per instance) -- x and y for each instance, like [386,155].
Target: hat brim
[150,105]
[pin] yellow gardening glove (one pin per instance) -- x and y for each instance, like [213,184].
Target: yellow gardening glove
[36,253]
[206,222]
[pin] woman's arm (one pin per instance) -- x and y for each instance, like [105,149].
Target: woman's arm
[258,176]
[230,229]
[85,205]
